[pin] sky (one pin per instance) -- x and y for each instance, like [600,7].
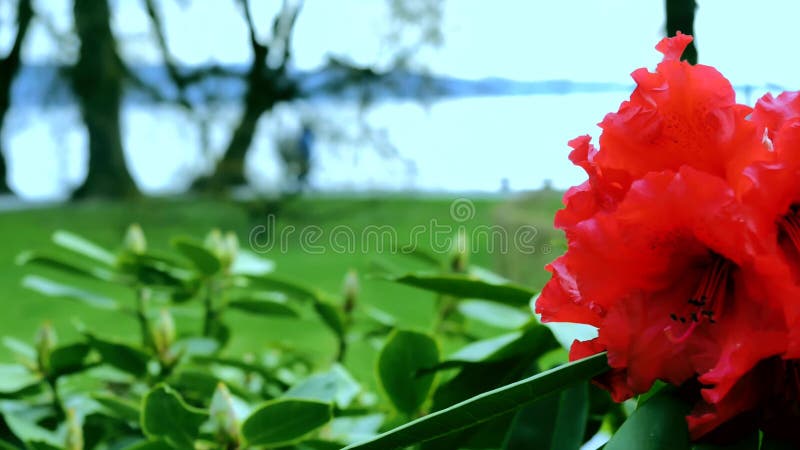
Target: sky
[592,40]
[527,40]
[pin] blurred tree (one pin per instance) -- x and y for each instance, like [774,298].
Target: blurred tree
[9,66]
[680,17]
[268,83]
[97,81]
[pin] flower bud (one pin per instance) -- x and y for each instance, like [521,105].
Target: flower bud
[230,247]
[223,414]
[135,241]
[164,332]
[459,253]
[350,290]
[74,440]
[46,341]
[214,242]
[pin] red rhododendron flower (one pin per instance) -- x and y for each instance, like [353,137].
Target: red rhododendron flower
[680,115]
[684,242]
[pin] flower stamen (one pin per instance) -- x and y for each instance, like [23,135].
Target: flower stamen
[790,225]
[707,302]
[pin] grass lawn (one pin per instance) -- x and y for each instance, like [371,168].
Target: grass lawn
[321,262]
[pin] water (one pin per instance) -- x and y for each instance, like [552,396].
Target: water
[457,144]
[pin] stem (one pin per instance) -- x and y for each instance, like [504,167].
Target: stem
[57,405]
[210,316]
[142,297]
[342,348]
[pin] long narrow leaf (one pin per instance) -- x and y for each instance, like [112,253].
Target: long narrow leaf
[83,246]
[469,287]
[486,406]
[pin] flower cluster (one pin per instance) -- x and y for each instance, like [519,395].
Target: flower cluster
[684,245]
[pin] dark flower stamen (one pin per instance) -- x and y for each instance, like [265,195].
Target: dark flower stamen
[708,299]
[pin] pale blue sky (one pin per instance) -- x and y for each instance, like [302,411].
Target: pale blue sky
[487,139]
[598,40]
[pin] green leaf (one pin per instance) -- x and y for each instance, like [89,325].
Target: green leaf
[658,424]
[199,385]
[20,348]
[487,406]
[84,247]
[403,356]
[95,273]
[289,288]
[51,288]
[68,359]
[41,445]
[122,356]
[334,386]
[505,346]
[14,378]
[249,263]
[331,316]
[494,314]
[556,421]
[23,419]
[285,421]
[202,258]
[149,445]
[465,286]
[263,308]
[118,407]
[167,417]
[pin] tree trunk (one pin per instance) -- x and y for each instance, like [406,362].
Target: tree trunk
[266,87]
[680,17]
[9,66]
[97,80]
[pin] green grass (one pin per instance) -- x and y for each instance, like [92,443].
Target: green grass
[321,266]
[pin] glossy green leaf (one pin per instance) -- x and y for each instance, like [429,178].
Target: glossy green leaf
[334,386]
[404,355]
[494,314]
[487,406]
[658,424]
[249,263]
[150,445]
[263,308]
[505,346]
[83,246]
[284,421]
[290,289]
[24,418]
[68,359]
[199,385]
[41,445]
[465,286]
[331,316]
[556,421]
[167,417]
[57,263]
[118,407]
[202,258]
[51,288]
[20,348]
[14,377]
[120,355]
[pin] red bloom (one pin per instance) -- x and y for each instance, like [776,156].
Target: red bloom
[768,395]
[674,278]
[772,187]
[680,115]
[683,239]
